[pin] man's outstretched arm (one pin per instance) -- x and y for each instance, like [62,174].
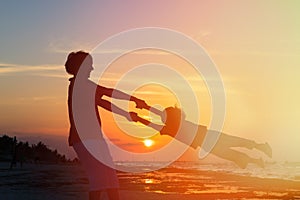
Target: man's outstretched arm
[117,94]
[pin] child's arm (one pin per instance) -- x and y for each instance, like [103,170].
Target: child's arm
[155,111]
[115,109]
[147,123]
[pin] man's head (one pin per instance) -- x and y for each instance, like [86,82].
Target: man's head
[78,60]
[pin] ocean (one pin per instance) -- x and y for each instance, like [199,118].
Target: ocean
[275,170]
[178,181]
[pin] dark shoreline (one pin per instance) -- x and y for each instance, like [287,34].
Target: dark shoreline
[68,181]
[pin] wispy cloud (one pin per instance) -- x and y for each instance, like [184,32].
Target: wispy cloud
[25,100]
[124,144]
[66,47]
[38,70]
[255,53]
[202,35]
[145,51]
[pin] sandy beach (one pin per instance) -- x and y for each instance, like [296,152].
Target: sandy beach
[69,182]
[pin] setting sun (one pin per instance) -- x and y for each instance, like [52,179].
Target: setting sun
[148,142]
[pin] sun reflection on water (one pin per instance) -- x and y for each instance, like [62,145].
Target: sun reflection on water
[148,181]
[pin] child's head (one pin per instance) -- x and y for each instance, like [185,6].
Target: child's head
[172,116]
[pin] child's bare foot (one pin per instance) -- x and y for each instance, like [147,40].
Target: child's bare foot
[265,148]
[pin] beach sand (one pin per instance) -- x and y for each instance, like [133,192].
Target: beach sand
[69,182]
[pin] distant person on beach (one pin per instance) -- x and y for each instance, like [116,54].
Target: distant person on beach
[178,127]
[13,162]
[102,178]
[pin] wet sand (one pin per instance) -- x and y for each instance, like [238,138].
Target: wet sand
[69,182]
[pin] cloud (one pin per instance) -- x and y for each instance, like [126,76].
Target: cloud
[37,70]
[65,47]
[265,53]
[124,144]
[202,35]
[143,51]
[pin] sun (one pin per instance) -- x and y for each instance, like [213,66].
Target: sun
[148,142]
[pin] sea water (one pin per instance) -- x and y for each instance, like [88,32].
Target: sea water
[276,170]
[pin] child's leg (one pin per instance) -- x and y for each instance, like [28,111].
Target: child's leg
[266,148]
[234,141]
[239,158]
[224,141]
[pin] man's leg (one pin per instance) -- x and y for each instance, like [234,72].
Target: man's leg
[113,194]
[94,195]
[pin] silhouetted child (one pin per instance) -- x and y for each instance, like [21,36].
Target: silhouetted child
[193,134]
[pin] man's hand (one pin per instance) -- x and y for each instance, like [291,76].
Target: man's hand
[132,116]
